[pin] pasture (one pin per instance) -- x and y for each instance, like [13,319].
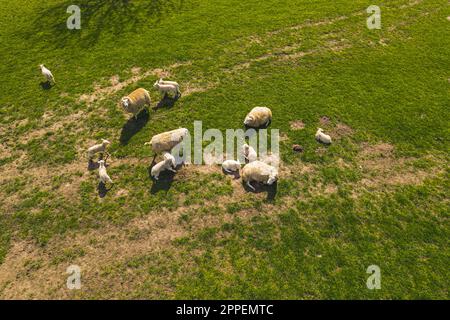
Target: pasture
[378,195]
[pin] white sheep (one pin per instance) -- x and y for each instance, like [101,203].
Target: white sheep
[231,166]
[249,153]
[161,81]
[103,175]
[47,74]
[258,117]
[136,101]
[322,137]
[260,172]
[164,89]
[169,156]
[166,141]
[101,147]
[166,164]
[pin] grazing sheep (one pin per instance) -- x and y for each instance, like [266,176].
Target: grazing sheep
[169,156]
[166,164]
[258,117]
[47,74]
[164,142]
[322,137]
[136,101]
[161,81]
[164,89]
[260,172]
[231,166]
[98,148]
[103,175]
[249,153]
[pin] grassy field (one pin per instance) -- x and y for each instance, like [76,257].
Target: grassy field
[377,195]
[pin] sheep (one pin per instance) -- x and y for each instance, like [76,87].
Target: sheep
[258,117]
[136,101]
[164,88]
[47,74]
[169,156]
[249,153]
[161,81]
[260,172]
[103,175]
[164,142]
[98,148]
[231,166]
[322,137]
[166,164]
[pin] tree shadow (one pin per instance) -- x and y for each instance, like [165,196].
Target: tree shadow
[133,126]
[45,85]
[260,188]
[164,182]
[98,17]
[102,190]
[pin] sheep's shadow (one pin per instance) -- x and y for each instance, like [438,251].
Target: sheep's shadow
[167,102]
[235,174]
[260,187]
[92,165]
[102,190]
[45,85]
[133,126]
[164,182]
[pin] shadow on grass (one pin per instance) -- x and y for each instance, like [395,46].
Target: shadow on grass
[45,85]
[167,102]
[164,182]
[259,188]
[102,190]
[133,126]
[99,17]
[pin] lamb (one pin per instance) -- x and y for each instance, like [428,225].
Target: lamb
[169,156]
[164,142]
[166,164]
[231,166]
[322,137]
[165,88]
[249,153]
[136,101]
[47,74]
[103,175]
[161,81]
[258,117]
[260,172]
[98,148]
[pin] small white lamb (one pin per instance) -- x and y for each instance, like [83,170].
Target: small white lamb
[161,81]
[231,166]
[249,153]
[260,172]
[167,88]
[136,101]
[322,137]
[169,156]
[103,175]
[47,74]
[98,148]
[166,164]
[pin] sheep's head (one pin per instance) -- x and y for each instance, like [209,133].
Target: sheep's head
[272,178]
[41,66]
[105,142]
[156,85]
[245,148]
[249,119]
[101,163]
[125,102]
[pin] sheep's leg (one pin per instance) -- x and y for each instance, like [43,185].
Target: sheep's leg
[250,186]
[173,170]
[227,171]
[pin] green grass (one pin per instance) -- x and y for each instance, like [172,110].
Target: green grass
[306,242]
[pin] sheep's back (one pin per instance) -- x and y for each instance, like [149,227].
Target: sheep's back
[138,98]
[167,140]
[260,115]
[256,171]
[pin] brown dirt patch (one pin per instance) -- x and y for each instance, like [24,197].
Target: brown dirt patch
[297,125]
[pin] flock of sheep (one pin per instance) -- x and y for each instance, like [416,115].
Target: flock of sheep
[164,143]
